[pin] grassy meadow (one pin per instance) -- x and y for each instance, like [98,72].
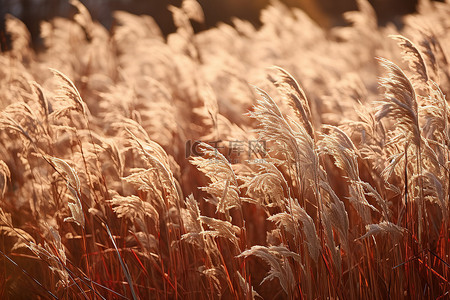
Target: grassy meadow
[280,162]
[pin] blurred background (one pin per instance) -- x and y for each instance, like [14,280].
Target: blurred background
[327,13]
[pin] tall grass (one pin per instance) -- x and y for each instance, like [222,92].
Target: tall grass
[348,199]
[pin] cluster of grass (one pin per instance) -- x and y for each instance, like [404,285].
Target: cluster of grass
[348,200]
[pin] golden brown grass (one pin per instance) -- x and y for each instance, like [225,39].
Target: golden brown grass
[349,201]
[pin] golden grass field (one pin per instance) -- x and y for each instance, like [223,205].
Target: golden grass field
[284,162]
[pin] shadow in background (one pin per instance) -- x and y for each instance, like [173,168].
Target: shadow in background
[327,13]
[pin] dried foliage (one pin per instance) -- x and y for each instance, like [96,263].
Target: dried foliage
[103,134]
